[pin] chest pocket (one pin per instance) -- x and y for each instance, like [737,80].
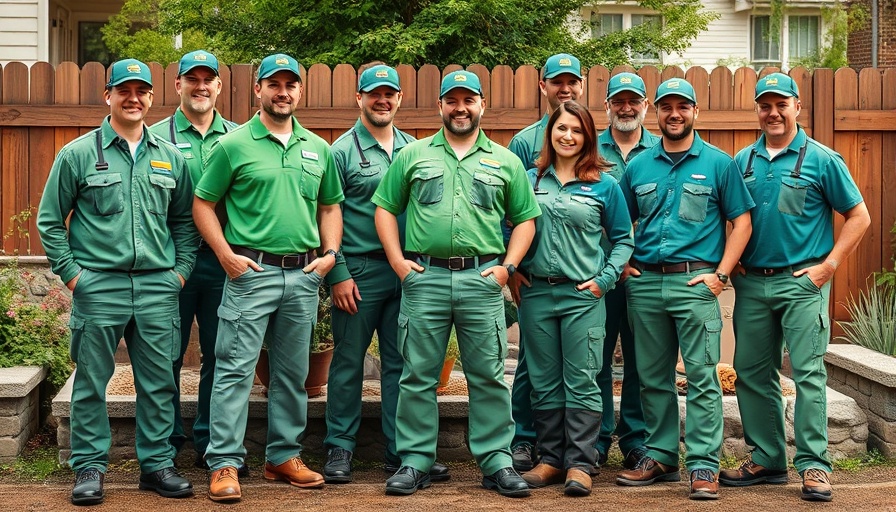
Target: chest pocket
[363,179]
[792,196]
[584,212]
[311,178]
[694,200]
[485,190]
[428,184]
[104,191]
[646,197]
[160,193]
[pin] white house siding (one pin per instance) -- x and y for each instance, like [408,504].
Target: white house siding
[23,31]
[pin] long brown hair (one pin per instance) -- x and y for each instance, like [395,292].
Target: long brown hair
[590,164]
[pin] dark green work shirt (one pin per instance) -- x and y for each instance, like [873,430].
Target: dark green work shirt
[527,143]
[133,215]
[192,145]
[608,149]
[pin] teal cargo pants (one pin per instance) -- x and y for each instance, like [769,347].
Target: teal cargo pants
[199,298]
[666,314]
[276,307]
[377,311]
[432,301]
[142,308]
[771,313]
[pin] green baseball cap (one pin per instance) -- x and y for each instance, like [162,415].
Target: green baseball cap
[464,79]
[562,63]
[376,76]
[626,82]
[126,70]
[275,63]
[197,59]
[676,87]
[777,83]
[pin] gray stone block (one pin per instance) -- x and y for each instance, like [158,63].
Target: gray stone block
[864,386]
[886,449]
[11,447]
[846,449]
[11,426]
[872,365]
[883,401]
[12,406]
[18,381]
[735,447]
[883,429]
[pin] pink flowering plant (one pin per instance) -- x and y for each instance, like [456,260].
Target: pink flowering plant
[34,332]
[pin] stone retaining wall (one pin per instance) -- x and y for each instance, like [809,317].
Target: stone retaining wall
[19,408]
[869,378]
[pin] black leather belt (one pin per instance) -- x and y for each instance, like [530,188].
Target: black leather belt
[295,260]
[789,269]
[551,280]
[458,262]
[674,268]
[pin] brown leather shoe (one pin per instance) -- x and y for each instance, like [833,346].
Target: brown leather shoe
[704,485]
[816,485]
[750,473]
[578,483]
[543,475]
[295,472]
[646,472]
[224,485]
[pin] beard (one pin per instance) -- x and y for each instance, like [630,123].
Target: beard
[627,126]
[461,131]
[270,109]
[685,132]
[377,121]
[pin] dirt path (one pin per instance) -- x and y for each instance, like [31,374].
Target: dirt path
[866,490]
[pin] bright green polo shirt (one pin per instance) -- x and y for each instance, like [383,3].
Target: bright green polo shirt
[682,208]
[527,143]
[271,192]
[455,208]
[792,219]
[135,215]
[359,182]
[569,232]
[192,145]
[608,149]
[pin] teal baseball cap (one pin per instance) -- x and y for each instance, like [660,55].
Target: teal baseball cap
[197,59]
[562,63]
[275,63]
[777,83]
[126,70]
[626,82]
[464,79]
[676,87]
[377,76]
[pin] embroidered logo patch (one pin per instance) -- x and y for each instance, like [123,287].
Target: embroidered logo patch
[310,155]
[490,163]
[698,176]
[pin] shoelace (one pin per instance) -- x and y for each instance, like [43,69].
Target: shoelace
[226,473]
[703,474]
[523,448]
[88,474]
[748,464]
[339,454]
[817,475]
[642,462]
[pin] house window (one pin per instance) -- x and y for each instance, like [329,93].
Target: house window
[90,44]
[765,47]
[802,32]
[604,24]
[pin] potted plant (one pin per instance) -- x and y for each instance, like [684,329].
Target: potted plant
[451,355]
[321,351]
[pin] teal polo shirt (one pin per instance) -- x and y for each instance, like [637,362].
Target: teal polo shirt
[570,231]
[792,219]
[455,207]
[137,214]
[681,208]
[608,149]
[271,192]
[359,182]
[527,143]
[192,144]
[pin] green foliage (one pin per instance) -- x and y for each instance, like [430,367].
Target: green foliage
[840,22]
[36,465]
[453,351]
[866,460]
[873,315]
[33,333]
[440,32]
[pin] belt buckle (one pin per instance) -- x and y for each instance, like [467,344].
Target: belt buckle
[291,261]
[554,280]
[768,271]
[456,263]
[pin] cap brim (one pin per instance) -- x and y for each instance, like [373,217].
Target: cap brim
[124,80]
[271,73]
[680,95]
[380,84]
[630,89]
[194,66]
[786,94]
[467,87]
[563,72]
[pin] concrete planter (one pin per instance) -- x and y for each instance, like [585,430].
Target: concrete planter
[19,408]
[869,378]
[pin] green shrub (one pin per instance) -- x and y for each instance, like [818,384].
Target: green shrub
[873,323]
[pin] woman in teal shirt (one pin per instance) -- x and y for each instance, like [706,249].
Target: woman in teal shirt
[559,289]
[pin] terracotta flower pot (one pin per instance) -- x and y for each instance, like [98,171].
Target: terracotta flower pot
[446,373]
[318,371]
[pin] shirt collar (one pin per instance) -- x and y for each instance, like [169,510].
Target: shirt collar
[482,142]
[183,124]
[695,149]
[799,140]
[110,135]
[260,131]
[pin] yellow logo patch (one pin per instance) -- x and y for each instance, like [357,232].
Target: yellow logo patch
[282,62]
[565,62]
[673,85]
[494,164]
[133,68]
[199,57]
[382,74]
[771,81]
[625,80]
[460,78]
[160,165]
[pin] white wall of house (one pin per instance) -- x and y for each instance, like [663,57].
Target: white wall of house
[23,31]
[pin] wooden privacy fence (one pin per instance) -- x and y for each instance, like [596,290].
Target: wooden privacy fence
[42,108]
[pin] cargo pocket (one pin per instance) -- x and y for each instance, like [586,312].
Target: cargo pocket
[401,342]
[646,197]
[713,340]
[105,192]
[822,335]
[228,332]
[427,184]
[501,336]
[311,178]
[596,337]
[584,212]
[175,338]
[694,200]
[160,193]
[77,327]
[485,190]
[792,196]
